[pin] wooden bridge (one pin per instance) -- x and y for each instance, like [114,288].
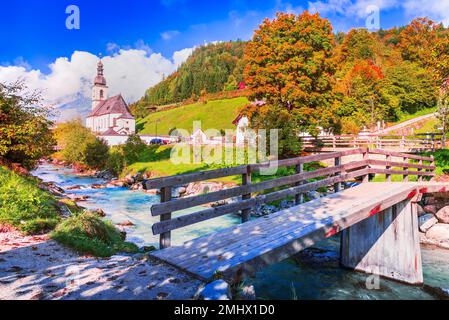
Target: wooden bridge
[378,221]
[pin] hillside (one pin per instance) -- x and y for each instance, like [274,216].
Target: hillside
[216,114]
[211,68]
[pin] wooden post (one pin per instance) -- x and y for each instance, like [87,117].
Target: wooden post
[246,180]
[366,157]
[388,176]
[433,142]
[334,144]
[337,186]
[405,177]
[391,247]
[299,198]
[165,238]
[432,163]
[402,147]
[420,178]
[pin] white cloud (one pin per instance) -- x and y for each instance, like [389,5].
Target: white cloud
[168,35]
[436,10]
[128,71]
[179,57]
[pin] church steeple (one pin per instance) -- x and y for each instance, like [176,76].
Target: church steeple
[100,89]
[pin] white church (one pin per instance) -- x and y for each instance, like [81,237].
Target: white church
[109,116]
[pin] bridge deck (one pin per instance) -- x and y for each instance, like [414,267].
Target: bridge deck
[241,250]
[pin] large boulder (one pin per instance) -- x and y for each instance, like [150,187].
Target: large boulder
[438,233]
[426,222]
[443,215]
[217,290]
[197,188]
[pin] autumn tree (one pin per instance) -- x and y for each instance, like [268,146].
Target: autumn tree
[290,65]
[417,40]
[25,128]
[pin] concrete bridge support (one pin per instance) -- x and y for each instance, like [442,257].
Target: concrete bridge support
[386,244]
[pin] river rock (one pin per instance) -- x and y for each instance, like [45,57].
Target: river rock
[197,188]
[126,223]
[178,192]
[100,212]
[137,186]
[430,208]
[129,179]
[98,186]
[81,198]
[77,187]
[439,233]
[138,177]
[443,215]
[217,290]
[312,195]
[105,174]
[247,293]
[426,222]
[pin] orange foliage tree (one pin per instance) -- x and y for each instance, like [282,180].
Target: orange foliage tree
[290,65]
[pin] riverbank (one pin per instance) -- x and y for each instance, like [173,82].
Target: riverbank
[37,268]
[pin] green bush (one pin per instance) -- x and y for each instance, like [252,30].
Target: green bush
[24,205]
[88,233]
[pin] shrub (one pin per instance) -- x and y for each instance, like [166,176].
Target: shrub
[24,205]
[96,154]
[88,233]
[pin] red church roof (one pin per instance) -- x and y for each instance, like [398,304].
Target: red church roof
[114,105]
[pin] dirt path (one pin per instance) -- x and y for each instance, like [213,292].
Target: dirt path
[39,268]
[406,123]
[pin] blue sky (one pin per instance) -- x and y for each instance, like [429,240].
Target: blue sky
[144,40]
[35,30]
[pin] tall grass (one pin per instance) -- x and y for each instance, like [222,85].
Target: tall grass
[24,205]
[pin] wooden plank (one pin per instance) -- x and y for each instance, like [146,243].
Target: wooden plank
[193,177]
[399,154]
[309,159]
[183,203]
[333,205]
[401,172]
[215,242]
[388,163]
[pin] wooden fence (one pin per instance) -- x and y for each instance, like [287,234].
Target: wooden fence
[254,194]
[417,143]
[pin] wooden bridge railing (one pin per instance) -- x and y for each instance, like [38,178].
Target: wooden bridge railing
[252,194]
[412,143]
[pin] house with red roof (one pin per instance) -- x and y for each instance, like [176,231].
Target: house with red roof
[109,116]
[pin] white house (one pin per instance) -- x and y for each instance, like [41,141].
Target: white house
[242,123]
[109,116]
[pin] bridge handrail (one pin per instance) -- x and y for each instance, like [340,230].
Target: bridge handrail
[293,185]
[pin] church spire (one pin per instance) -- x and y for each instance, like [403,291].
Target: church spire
[100,79]
[100,89]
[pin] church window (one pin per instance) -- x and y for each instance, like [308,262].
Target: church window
[101,94]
